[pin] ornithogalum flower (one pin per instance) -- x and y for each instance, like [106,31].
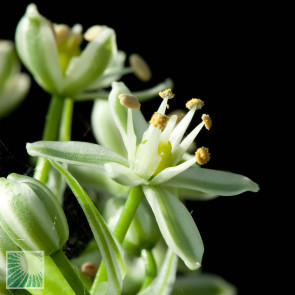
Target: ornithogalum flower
[156,160]
[53,55]
[14,85]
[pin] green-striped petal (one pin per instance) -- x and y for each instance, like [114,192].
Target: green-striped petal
[105,129]
[75,152]
[36,47]
[163,283]
[203,284]
[119,113]
[213,182]
[176,225]
[110,249]
[94,59]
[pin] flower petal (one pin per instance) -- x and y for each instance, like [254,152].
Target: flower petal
[176,225]
[91,63]
[205,284]
[123,174]
[119,113]
[213,182]
[171,172]
[105,129]
[163,283]
[75,152]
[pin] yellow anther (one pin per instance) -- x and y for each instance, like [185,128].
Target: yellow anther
[129,101]
[167,94]
[202,155]
[207,120]
[61,32]
[89,269]
[195,102]
[93,32]
[140,67]
[158,120]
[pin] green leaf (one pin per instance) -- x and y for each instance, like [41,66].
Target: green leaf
[91,63]
[163,283]
[176,225]
[110,249]
[203,284]
[213,182]
[75,152]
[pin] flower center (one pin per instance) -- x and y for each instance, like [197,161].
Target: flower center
[165,152]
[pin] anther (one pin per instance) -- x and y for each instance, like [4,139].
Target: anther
[93,32]
[129,101]
[167,94]
[89,269]
[61,32]
[207,120]
[140,67]
[195,102]
[202,155]
[158,120]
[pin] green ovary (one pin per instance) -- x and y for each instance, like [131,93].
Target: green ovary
[164,151]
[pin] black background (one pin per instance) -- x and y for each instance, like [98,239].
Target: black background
[219,53]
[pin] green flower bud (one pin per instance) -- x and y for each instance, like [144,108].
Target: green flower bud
[143,232]
[13,84]
[31,215]
[5,245]
[52,53]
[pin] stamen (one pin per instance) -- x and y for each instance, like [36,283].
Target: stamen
[202,155]
[89,269]
[167,94]
[140,67]
[158,120]
[198,103]
[61,32]
[208,121]
[129,101]
[93,32]
[179,113]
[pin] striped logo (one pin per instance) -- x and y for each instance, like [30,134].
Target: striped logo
[24,269]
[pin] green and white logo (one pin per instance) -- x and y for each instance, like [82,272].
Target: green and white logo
[24,269]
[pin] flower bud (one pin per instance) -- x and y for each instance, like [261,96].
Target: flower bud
[31,215]
[143,232]
[13,84]
[53,55]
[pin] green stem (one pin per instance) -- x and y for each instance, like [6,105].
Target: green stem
[150,267]
[50,133]
[122,227]
[69,272]
[66,120]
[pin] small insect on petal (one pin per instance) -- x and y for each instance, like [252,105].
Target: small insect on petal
[208,121]
[89,269]
[140,67]
[202,155]
[195,102]
[129,101]
[93,32]
[158,120]
[167,94]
